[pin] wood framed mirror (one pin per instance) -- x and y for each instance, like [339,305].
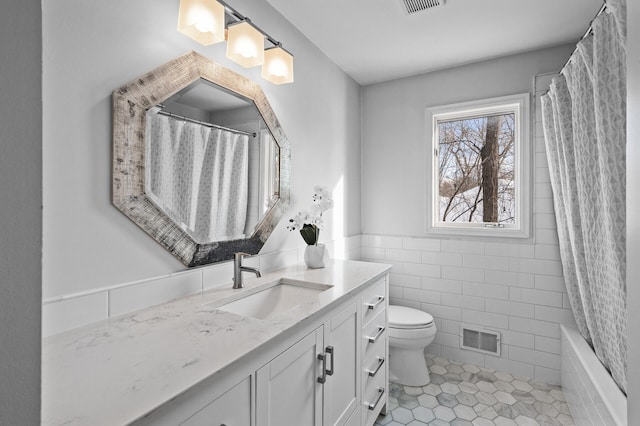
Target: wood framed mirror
[200,161]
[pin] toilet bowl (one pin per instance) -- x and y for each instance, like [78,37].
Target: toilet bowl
[410,332]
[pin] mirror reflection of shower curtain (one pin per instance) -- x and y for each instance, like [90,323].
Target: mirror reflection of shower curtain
[198,176]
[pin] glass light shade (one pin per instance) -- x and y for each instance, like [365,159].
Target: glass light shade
[245,44]
[202,20]
[278,66]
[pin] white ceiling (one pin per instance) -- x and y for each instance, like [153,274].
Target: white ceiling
[374,40]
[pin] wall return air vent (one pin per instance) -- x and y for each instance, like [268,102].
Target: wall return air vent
[479,339]
[414,6]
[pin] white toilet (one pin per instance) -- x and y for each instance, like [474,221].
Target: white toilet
[410,332]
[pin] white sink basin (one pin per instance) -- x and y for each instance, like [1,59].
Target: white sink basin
[274,298]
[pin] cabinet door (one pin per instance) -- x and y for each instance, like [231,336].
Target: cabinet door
[287,389]
[233,408]
[341,390]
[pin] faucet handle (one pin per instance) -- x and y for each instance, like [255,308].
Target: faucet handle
[239,255]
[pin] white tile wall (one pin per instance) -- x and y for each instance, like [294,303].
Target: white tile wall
[514,287]
[75,310]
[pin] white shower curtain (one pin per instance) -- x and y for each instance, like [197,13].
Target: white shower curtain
[198,176]
[584,118]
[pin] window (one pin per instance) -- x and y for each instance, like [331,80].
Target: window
[479,160]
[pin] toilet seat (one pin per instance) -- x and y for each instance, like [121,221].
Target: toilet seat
[402,317]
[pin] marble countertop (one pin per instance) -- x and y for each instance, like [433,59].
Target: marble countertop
[114,372]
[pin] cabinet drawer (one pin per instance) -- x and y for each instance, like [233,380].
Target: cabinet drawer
[374,332]
[231,408]
[375,365]
[374,397]
[374,300]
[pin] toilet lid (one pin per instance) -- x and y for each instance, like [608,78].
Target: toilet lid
[403,317]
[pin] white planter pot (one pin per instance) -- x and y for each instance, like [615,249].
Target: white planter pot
[316,256]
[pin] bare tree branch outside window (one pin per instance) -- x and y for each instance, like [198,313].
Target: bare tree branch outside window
[476,165]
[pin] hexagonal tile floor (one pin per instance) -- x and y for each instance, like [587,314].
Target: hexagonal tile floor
[467,395]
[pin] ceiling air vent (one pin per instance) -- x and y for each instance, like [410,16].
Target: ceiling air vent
[414,6]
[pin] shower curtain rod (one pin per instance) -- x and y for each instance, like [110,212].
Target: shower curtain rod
[589,31]
[204,123]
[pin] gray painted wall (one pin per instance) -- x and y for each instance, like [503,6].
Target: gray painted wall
[20,211]
[633,207]
[93,47]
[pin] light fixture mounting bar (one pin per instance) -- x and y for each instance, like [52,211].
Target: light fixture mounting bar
[240,17]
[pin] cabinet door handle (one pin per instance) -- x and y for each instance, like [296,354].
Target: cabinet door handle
[323,357]
[380,393]
[331,351]
[372,339]
[375,371]
[373,305]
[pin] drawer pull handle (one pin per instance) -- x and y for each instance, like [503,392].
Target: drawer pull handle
[376,303]
[380,393]
[372,339]
[375,371]
[331,351]
[323,357]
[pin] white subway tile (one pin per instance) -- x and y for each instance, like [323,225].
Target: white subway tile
[434,349]
[547,375]
[452,327]
[421,269]
[403,280]
[516,279]
[545,221]
[443,312]
[139,296]
[273,261]
[498,263]
[443,259]
[404,302]
[509,249]
[457,246]
[534,357]
[565,301]
[509,307]
[542,174]
[537,327]
[546,236]
[487,319]
[548,252]
[543,190]
[385,241]
[537,297]
[485,290]
[462,355]
[508,365]
[446,339]
[466,302]
[425,296]
[72,313]
[463,274]
[402,255]
[517,338]
[374,253]
[427,244]
[438,284]
[562,316]
[396,292]
[535,266]
[544,205]
[550,283]
[547,344]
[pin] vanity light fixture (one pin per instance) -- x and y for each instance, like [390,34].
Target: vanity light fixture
[245,44]
[204,22]
[278,65]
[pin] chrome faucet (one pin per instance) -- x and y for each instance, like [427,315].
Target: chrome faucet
[238,268]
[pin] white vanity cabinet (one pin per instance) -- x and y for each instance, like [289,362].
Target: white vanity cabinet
[233,408]
[316,381]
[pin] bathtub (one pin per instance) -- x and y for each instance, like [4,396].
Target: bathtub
[592,395]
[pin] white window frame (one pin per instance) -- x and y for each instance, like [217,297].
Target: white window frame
[520,105]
